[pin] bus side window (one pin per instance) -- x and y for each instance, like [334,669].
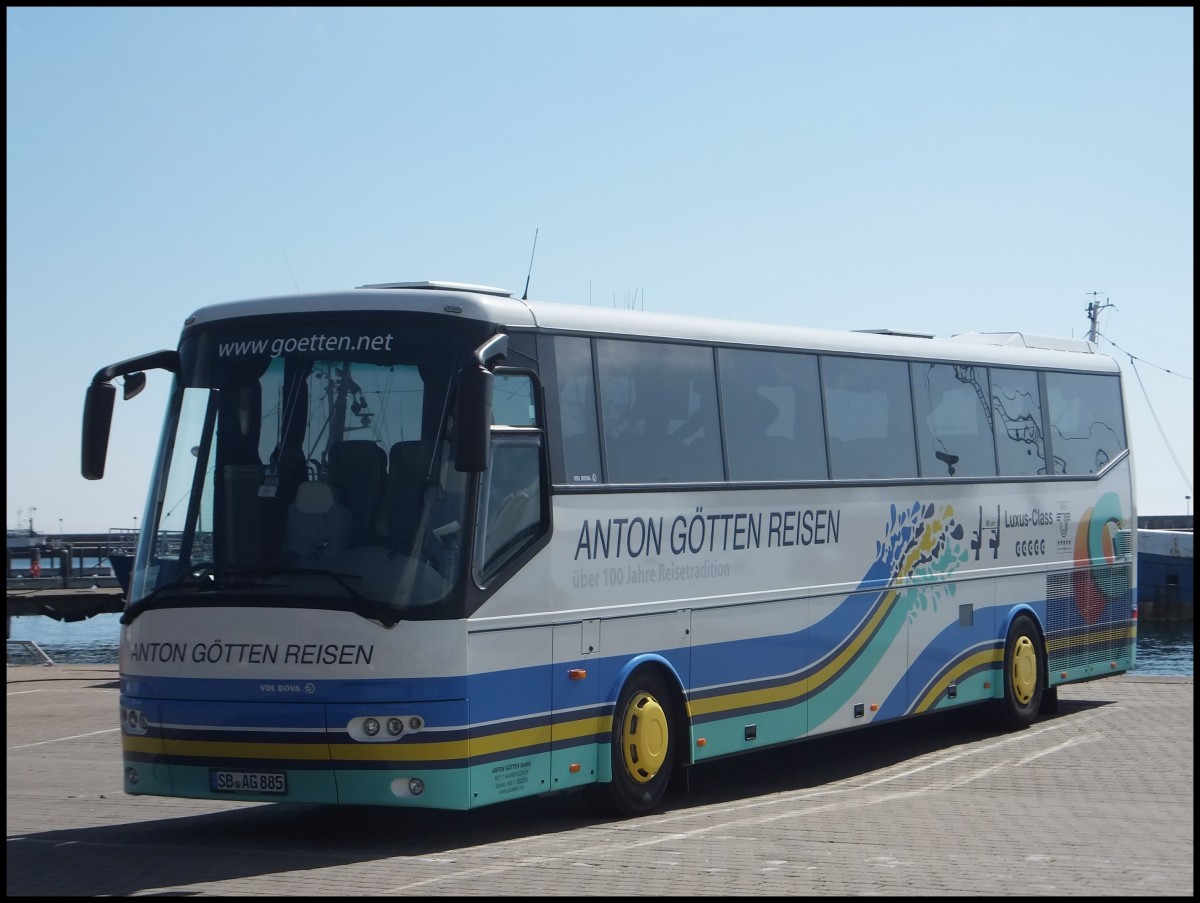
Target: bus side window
[512,400]
[954,426]
[1018,423]
[869,407]
[660,412]
[774,429]
[577,410]
[1087,427]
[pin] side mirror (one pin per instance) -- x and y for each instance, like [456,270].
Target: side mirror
[101,395]
[473,420]
[97,422]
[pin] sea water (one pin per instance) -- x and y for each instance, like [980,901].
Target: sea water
[1164,647]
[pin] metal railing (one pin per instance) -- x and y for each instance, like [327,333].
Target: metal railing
[33,647]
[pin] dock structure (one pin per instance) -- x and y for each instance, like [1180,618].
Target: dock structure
[84,598]
[66,555]
[78,602]
[70,577]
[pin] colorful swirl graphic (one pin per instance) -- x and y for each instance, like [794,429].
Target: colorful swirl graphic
[921,542]
[1095,539]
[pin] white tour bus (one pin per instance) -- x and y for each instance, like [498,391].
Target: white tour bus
[429,544]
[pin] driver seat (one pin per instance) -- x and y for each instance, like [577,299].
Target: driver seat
[318,525]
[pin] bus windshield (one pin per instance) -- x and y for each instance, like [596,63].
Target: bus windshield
[307,464]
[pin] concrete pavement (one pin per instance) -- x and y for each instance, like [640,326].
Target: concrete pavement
[1096,800]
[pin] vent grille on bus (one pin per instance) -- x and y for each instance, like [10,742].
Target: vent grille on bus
[1123,542]
[1073,644]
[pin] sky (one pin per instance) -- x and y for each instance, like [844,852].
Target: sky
[943,171]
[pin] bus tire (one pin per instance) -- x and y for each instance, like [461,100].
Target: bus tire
[642,747]
[1024,674]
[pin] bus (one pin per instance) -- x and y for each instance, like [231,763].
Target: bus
[433,545]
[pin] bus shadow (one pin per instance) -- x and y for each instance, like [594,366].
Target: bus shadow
[159,854]
[831,758]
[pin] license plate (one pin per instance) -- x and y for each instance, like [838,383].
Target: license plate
[247,781]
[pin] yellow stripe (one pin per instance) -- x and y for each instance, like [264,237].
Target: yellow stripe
[826,674]
[147,745]
[989,657]
[793,690]
[223,749]
[584,727]
[365,752]
[783,693]
[1083,639]
[532,736]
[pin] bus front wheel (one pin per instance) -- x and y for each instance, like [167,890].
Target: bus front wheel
[1024,674]
[642,747]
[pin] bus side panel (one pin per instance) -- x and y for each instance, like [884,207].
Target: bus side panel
[510,713]
[749,676]
[577,727]
[955,658]
[863,644]
[860,657]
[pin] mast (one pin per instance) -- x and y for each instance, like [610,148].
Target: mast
[1093,312]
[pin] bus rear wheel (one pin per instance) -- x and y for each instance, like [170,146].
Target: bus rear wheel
[642,747]
[1024,674]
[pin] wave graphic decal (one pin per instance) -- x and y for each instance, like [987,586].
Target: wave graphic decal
[1095,585]
[921,545]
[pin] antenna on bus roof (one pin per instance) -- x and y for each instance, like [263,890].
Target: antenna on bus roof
[289,266]
[525,297]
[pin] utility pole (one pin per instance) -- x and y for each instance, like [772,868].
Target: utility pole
[1093,312]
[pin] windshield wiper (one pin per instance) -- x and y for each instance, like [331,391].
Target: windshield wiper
[319,572]
[208,578]
[202,578]
[371,609]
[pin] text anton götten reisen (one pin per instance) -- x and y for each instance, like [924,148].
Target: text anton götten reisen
[694,534]
[228,653]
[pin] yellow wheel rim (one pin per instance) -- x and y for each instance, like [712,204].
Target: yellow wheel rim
[644,735]
[1024,670]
